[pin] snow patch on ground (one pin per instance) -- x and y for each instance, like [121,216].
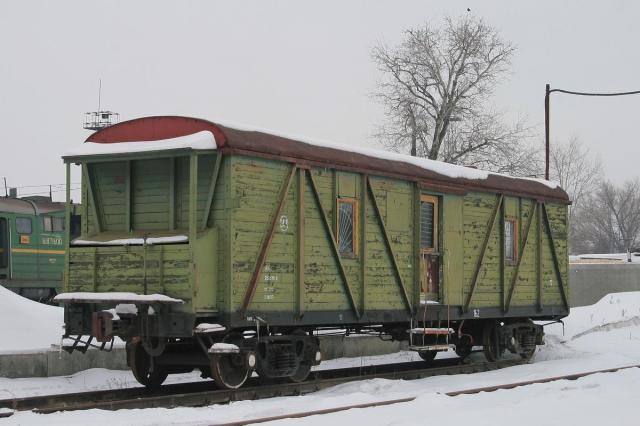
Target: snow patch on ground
[600,336]
[604,258]
[28,326]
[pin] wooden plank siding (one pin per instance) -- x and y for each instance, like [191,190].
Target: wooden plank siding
[301,273]
[255,183]
[490,290]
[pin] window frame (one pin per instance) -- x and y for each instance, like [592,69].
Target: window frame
[46,228]
[515,238]
[354,220]
[57,224]
[18,228]
[434,232]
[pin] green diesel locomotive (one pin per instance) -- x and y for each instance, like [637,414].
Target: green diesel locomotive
[32,246]
[228,250]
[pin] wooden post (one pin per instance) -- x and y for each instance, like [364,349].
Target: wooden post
[363,243]
[127,199]
[193,199]
[503,265]
[91,197]
[301,258]
[417,261]
[539,256]
[193,221]
[212,191]
[67,229]
[172,193]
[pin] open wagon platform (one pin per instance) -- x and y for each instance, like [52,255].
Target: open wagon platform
[267,239]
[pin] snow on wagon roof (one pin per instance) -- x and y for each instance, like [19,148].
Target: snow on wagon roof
[168,132]
[198,141]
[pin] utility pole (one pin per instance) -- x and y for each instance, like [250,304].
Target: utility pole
[547,99]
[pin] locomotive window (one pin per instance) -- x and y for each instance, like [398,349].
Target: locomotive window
[428,223]
[47,224]
[510,248]
[346,235]
[58,224]
[23,225]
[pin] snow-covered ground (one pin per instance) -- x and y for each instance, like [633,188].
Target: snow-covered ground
[600,336]
[605,258]
[41,327]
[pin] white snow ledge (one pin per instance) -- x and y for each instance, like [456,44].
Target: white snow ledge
[115,297]
[197,141]
[132,241]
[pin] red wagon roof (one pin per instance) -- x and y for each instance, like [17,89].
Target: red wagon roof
[430,174]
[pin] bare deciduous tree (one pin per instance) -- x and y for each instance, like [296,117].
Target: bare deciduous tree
[572,166]
[611,221]
[435,90]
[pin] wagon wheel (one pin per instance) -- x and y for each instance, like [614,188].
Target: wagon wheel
[530,341]
[527,354]
[141,366]
[428,356]
[493,351]
[230,371]
[304,367]
[463,351]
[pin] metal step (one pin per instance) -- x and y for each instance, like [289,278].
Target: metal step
[444,347]
[432,331]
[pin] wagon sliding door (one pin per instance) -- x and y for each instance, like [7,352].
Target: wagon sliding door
[429,255]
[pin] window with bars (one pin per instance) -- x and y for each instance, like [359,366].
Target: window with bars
[347,226]
[510,239]
[428,223]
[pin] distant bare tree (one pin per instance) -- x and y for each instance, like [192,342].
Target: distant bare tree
[573,167]
[612,220]
[436,85]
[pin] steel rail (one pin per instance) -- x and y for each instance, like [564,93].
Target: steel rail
[301,414]
[574,376]
[201,393]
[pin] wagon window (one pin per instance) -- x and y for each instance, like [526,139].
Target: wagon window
[428,223]
[510,249]
[58,224]
[347,229]
[23,225]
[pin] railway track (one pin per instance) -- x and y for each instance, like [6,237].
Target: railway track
[298,415]
[205,393]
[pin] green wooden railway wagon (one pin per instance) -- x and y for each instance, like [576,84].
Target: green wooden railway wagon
[227,250]
[31,246]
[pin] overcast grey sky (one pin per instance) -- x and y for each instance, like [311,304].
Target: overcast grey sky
[296,67]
